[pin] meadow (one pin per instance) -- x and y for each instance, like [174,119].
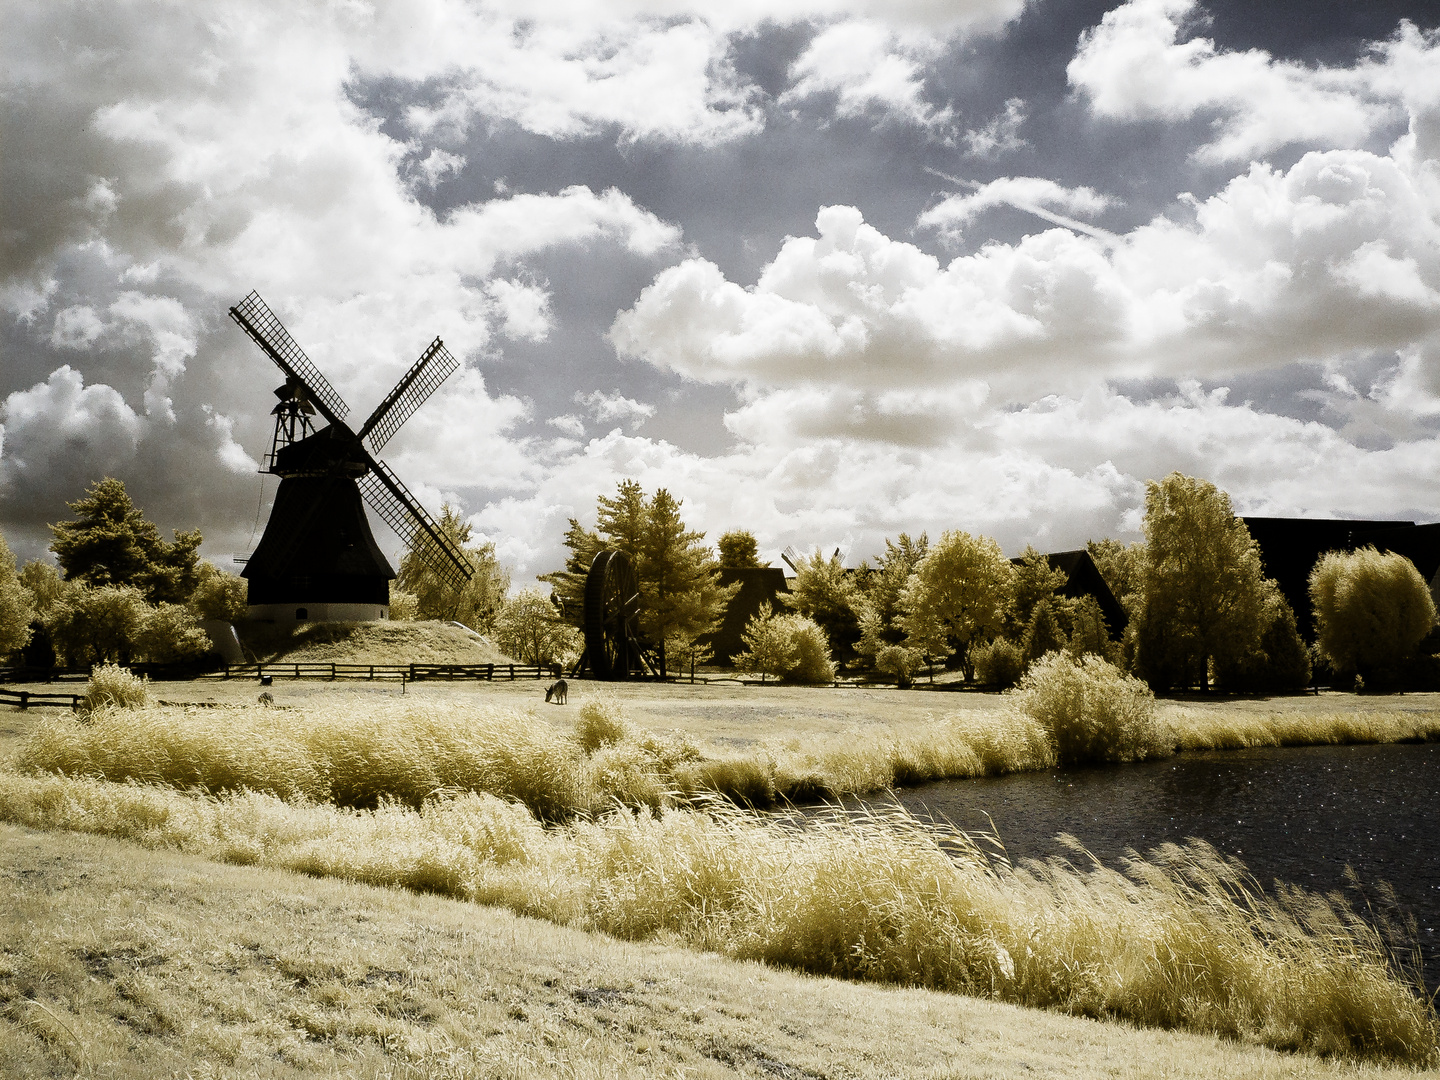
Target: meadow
[534,810]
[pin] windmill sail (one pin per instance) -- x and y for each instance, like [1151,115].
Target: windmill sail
[257,320]
[389,498]
[423,379]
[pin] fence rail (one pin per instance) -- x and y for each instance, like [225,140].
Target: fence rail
[27,699]
[391,672]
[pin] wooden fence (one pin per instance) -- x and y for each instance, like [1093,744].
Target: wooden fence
[27,699]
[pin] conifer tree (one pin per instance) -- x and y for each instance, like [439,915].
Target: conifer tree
[679,588]
[112,543]
[738,549]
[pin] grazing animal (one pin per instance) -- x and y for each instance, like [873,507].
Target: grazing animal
[557,691]
[267,699]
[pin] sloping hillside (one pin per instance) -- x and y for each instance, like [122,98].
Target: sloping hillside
[372,643]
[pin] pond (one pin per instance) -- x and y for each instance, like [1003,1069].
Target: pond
[1300,815]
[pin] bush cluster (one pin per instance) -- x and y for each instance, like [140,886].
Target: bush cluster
[1092,710]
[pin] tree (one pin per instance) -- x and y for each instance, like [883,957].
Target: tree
[1282,662]
[1371,611]
[959,592]
[168,633]
[1202,587]
[218,594]
[824,592]
[789,647]
[680,592]
[739,550]
[1122,566]
[475,604]
[46,586]
[1043,634]
[98,625]
[680,595]
[567,586]
[1036,581]
[16,605]
[882,586]
[529,628]
[112,543]
[1089,635]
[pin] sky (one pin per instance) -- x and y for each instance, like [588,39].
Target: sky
[827,270]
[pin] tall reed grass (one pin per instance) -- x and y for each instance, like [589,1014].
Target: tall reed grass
[1182,939]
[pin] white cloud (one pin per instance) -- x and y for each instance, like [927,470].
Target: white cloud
[868,67]
[569,424]
[605,407]
[1001,135]
[1341,252]
[1136,65]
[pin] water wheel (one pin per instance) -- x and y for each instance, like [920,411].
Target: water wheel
[612,615]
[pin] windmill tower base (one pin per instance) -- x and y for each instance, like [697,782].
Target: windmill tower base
[320,612]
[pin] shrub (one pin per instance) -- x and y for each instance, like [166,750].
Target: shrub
[812,652]
[1092,710]
[999,663]
[1371,611]
[898,661]
[600,724]
[404,606]
[112,685]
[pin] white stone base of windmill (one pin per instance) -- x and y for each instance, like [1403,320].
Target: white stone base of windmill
[301,613]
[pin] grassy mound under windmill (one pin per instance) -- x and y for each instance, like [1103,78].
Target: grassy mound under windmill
[421,642]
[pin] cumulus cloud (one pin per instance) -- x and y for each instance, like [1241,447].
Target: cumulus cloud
[605,407]
[868,68]
[1137,64]
[1340,252]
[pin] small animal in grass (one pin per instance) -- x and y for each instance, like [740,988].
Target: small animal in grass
[556,692]
[267,699]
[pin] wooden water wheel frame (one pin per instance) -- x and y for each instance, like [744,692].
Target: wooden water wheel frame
[612,616]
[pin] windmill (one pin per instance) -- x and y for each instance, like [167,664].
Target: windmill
[317,559]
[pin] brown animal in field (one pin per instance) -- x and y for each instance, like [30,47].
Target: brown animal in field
[557,691]
[267,699]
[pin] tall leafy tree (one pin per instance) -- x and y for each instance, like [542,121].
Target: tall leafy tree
[1036,582]
[16,605]
[960,593]
[681,599]
[824,592]
[529,628]
[477,602]
[111,542]
[883,585]
[1121,565]
[567,586]
[739,550]
[680,592]
[1203,589]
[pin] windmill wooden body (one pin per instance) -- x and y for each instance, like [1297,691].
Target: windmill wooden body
[318,560]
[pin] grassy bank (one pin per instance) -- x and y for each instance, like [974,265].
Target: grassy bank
[1183,940]
[162,964]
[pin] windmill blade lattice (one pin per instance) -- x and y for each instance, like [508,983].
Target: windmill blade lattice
[257,320]
[389,498]
[423,379]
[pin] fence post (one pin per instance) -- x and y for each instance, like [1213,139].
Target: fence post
[512,672]
[24,699]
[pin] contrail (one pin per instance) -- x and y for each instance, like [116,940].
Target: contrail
[1106,237]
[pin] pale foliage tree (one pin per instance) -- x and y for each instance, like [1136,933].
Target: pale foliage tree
[824,592]
[790,647]
[218,594]
[1203,589]
[529,628]
[739,550]
[16,605]
[168,633]
[1371,610]
[97,625]
[474,604]
[959,592]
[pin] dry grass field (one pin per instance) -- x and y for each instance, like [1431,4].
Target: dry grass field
[1176,945]
[116,961]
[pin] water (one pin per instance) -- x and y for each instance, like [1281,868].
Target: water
[1301,815]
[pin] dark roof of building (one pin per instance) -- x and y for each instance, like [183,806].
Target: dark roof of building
[1083,578]
[1290,547]
[758,585]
